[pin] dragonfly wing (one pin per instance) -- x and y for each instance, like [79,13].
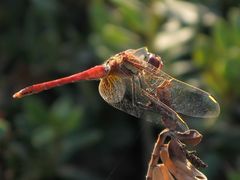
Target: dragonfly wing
[189,100]
[142,90]
[169,117]
[141,104]
[141,53]
[179,96]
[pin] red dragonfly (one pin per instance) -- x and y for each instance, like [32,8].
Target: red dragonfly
[133,81]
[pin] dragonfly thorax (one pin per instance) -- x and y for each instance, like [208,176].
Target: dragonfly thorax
[123,64]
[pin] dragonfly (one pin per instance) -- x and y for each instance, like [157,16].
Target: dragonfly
[133,81]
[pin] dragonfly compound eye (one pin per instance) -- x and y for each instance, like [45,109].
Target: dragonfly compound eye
[155,61]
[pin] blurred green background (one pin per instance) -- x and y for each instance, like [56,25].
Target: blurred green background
[70,132]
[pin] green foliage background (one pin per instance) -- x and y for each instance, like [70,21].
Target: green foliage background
[70,132]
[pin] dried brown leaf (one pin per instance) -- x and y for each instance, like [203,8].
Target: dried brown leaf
[160,172]
[179,166]
[190,137]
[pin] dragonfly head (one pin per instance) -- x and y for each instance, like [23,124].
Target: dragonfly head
[144,55]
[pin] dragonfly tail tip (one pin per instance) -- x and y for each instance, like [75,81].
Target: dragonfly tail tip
[17,95]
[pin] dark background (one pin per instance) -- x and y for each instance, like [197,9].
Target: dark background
[70,132]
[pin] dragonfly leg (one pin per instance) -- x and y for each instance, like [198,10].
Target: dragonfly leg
[165,84]
[165,96]
[162,92]
[170,118]
[163,87]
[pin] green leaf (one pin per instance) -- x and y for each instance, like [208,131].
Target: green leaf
[35,111]
[65,116]
[4,127]
[43,136]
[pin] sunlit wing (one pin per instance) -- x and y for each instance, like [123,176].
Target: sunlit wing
[128,96]
[155,110]
[151,94]
[179,96]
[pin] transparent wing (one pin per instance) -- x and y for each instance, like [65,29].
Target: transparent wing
[127,95]
[189,100]
[179,96]
[150,93]
[141,53]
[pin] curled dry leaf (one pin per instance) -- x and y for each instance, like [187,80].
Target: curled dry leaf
[177,162]
[180,167]
[190,137]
